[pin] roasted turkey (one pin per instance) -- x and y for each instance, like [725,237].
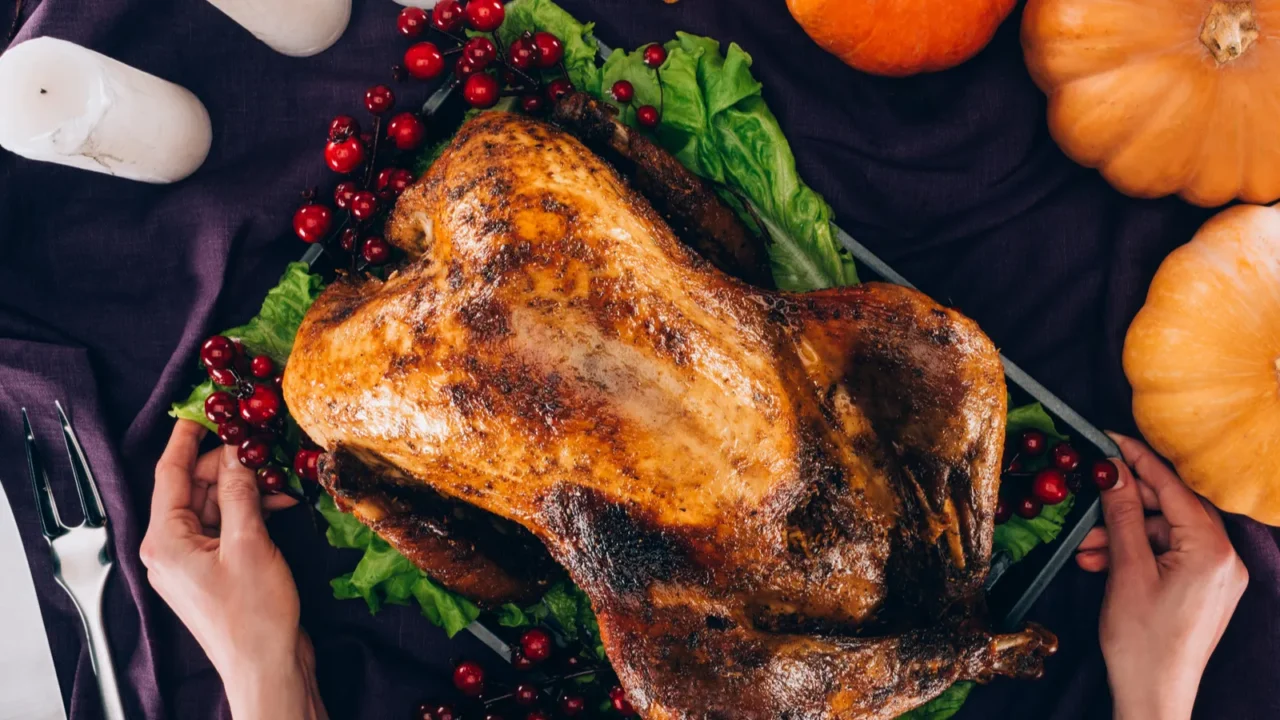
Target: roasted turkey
[780,505]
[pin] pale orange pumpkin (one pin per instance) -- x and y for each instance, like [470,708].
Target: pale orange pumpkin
[1203,356]
[1164,96]
[901,37]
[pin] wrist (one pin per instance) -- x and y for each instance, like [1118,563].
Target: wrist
[1166,702]
[268,690]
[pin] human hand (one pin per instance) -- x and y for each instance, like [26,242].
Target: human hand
[1175,581]
[208,555]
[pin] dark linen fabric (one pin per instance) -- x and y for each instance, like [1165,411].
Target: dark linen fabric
[107,287]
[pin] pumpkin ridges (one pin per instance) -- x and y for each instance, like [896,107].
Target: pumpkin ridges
[1072,45]
[1223,145]
[1158,134]
[1101,135]
[1201,356]
[901,37]
[1250,490]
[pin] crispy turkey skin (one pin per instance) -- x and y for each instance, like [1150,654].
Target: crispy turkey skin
[781,505]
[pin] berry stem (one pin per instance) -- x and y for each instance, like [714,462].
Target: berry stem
[373,153]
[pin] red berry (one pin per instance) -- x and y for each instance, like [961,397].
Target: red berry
[446,16]
[412,22]
[536,644]
[1033,442]
[1003,511]
[655,55]
[558,88]
[537,715]
[468,677]
[262,367]
[347,240]
[395,180]
[218,352]
[525,694]
[531,104]
[219,407]
[379,99]
[522,53]
[464,68]
[311,222]
[484,15]
[1104,474]
[480,51]
[647,115]
[343,127]
[623,91]
[254,453]
[1028,507]
[519,661]
[1065,457]
[550,49]
[364,205]
[480,89]
[342,194]
[272,480]
[306,463]
[406,131]
[445,712]
[424,60]
[1049,486]
[226,377]
[233,431]
[375,250]
[344,156]
[572,705]
[261,407]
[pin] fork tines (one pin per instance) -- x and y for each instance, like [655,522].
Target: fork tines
[51,524]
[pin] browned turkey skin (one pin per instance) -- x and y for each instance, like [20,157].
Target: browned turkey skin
[779,504]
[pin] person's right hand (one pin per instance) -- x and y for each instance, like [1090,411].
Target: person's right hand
[208,554]
[1174,582]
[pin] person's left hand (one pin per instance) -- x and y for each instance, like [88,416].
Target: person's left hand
[208,555]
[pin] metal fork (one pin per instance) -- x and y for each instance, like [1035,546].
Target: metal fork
[81,554]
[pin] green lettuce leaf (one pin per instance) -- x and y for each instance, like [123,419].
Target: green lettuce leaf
[1032,417]
[383,575]
[580,47]
[716,123]
[270,332]
[943,706]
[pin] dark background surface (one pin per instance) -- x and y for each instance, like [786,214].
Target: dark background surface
[107,286]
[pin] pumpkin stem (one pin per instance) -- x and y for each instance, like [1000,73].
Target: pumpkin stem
[1229,30]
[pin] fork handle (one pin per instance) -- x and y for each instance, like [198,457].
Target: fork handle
[103,667]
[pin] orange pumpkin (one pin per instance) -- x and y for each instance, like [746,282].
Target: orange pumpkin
[901,37]
[1163,96]
[1203,356]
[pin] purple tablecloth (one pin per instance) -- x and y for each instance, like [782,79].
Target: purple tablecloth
[107,286]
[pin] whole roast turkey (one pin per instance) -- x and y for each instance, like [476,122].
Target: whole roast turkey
[780,505]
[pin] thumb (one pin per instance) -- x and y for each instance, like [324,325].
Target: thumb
[1122,511]
[238,498]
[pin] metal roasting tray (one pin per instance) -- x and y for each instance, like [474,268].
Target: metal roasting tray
[1012,588]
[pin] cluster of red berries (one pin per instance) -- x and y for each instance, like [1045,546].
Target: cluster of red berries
[527,700]
[623,92]
[1052,484]
[249,412]
[482,67]
[363,194]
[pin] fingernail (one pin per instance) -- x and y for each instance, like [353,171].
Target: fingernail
[1120,473]
[230,456]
